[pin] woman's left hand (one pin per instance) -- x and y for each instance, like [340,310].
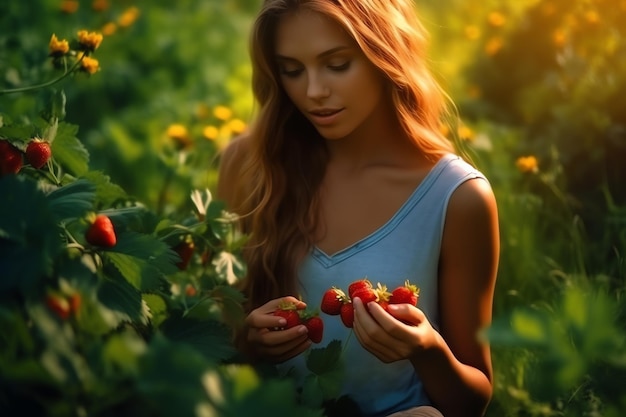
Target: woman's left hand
[402,333]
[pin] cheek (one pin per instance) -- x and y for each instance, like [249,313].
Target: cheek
[293,91]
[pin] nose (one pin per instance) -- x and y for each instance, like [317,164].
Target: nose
[317,88]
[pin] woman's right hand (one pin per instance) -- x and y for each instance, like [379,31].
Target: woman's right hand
[276,346]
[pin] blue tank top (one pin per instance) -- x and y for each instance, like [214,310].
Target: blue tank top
[406,247]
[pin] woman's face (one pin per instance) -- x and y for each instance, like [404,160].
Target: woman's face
[325,74]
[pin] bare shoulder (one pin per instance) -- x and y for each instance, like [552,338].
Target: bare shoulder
[473,197]
[230,163]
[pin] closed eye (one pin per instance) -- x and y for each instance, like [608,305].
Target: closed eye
[341,67]
[290,73]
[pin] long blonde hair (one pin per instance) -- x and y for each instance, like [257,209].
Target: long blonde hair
[286,157]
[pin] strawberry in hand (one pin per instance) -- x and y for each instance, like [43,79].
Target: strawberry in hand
[289,312]
[359,285]
[101,232]
[315,327]
[332,300]
[38,153]
[407,294]
[347,315]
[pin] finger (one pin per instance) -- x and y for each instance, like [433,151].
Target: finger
[272,305]
[264,316]
[367,330]
[407,313]
[281,344]
[362,315]
[277,356]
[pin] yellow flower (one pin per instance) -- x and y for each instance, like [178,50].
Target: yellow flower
[559,38]
[465,133]
[129,17]
[237,126]
[472,32]
[592,17]
[222,112]
[89,41]
[210,132]
[58,47]
[527,164]
[69,6]
[109,29]
[496,19]
[179,134]
[89,65]
[493,46]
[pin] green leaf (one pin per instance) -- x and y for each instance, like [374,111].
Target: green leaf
[117,294]
[312,394]
[30,238]
[72,201]
[147,248]
[324,360]
[209,337]
[170,377]
[157,306]
[69,151]
[106,192]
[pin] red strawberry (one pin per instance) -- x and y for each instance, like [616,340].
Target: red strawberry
[10,158]
[289,312]
[75,301]
[408,294]
[365,294]
[315,326]
[58,305]
[332,300]
[357,285]
[101,232]
[38,153]
[347,314]
[190,290]
[185,250]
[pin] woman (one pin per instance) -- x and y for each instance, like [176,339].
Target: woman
[345,174]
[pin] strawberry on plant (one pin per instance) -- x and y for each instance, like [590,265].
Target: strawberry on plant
[332,300]
[315,326]
[101,232]
[190,290]
[289,312]
[59,305]
[358,285]
[408,293]
[10,158]
[185,250]
[347,315]
[38,153]
[75,301]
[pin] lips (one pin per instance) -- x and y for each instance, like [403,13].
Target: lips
[324,116]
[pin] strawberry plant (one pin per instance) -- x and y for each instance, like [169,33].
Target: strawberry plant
[99,318]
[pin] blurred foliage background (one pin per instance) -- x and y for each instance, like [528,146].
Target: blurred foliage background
[539,85]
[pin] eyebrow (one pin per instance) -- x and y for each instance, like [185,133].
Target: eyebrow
[321,55]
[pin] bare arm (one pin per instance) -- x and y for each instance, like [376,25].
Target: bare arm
[458,373]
